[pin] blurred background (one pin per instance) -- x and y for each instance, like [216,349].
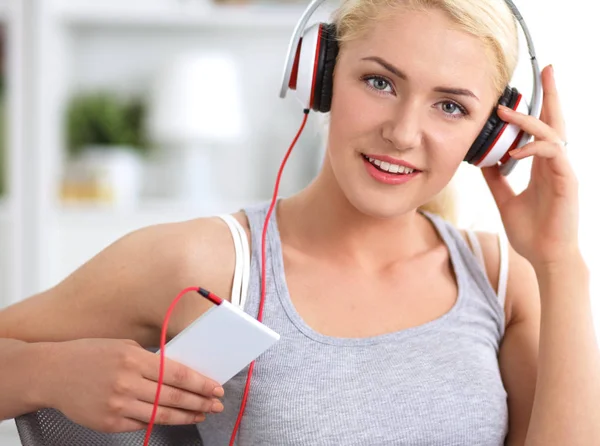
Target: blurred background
[117,114]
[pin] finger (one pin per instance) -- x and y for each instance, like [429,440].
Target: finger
[498,184]
[174,397]
[553,152]
[182,377]
[543,149]
[553,115]
[142,411]
[530,124]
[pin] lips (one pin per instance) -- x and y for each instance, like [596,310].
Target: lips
[390,159]
[387,173]
[385,166]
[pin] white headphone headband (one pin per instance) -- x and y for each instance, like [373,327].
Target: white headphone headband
[308,12]
[296,35]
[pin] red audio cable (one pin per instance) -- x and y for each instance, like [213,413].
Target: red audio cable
[163,337]
[263,275]
[216,300]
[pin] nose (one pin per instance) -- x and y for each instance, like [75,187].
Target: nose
[404,128]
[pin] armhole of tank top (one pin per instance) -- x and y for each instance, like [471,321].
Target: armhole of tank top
[475,246]
[241,274]
[503,274]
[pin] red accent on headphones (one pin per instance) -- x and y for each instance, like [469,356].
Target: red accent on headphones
[294,75]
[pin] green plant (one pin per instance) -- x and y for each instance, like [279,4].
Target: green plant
[105,119]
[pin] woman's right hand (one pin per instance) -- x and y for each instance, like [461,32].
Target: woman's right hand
[109,385]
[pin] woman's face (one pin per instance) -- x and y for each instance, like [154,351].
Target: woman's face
[414,91]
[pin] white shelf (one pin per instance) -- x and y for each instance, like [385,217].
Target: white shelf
[4,211]
[80,232]
[171,13]
[4,10]
[146,211]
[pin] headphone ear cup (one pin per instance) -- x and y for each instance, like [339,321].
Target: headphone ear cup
[312,72]
[491,129]
[328,52]
[499,137]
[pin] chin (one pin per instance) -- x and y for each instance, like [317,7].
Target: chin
[372,198]
[381,205]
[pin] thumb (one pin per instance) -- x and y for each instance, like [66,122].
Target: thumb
[498,184]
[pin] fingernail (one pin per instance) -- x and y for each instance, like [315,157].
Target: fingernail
[515,151]
[505,108]
[218,392]
[553,74]
[217,407]
[199,418]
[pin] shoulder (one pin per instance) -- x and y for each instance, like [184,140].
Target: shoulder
[208,254]
[521,287]
[183,247]
[194,253]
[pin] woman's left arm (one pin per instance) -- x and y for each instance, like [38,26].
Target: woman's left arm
[566,409]
[562,404]
[549,358]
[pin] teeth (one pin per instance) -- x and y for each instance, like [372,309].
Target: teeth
[392,168]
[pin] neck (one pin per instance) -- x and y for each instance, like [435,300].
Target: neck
[321,220]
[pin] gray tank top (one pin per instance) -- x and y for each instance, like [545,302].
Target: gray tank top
[435,384]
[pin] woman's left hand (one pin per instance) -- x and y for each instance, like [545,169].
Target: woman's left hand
[541,222]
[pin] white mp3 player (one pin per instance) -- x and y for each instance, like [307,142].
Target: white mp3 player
[221,342]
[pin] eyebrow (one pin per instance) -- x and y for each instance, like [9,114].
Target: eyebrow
[392,69]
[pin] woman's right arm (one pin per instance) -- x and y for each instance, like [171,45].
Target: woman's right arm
[20,363]
[107,385]
[124,291]
[79,343]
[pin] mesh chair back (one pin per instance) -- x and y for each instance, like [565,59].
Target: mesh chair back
[49,427]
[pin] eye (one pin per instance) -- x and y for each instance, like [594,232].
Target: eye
[451,108]
[379,84]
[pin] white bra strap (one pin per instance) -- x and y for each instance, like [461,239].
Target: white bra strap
[246,263]
[503,275]
[237,279]
[241,273]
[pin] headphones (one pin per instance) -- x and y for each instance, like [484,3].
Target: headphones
[310,63]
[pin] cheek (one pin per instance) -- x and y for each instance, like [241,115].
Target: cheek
[349,125]
[353,108]
[451,143]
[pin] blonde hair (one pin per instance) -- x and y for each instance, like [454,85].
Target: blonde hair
[489,20]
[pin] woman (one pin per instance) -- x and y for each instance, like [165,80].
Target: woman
[392,332]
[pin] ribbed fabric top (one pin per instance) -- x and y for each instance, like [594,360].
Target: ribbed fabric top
[438,383]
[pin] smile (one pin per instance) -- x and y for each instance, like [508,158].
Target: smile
[388,173]
[388,167]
